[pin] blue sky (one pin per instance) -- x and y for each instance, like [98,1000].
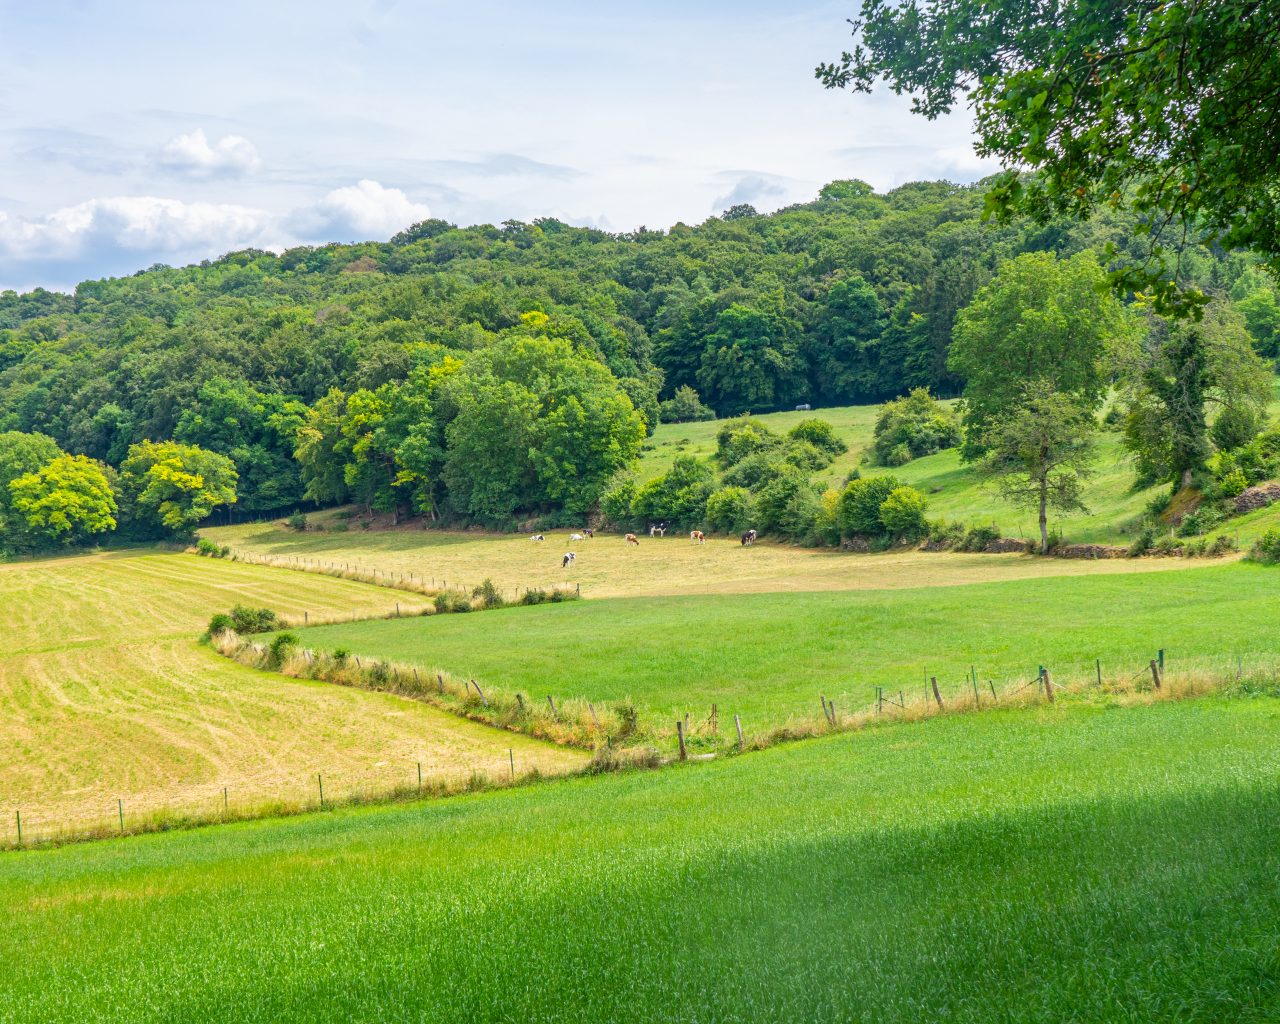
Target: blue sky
[141,132]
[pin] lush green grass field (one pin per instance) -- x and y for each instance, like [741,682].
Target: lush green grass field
[105,695]
[1034,866]
[769,656]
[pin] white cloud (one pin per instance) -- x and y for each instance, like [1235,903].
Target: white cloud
[366,210]
[119,234]
[232,156]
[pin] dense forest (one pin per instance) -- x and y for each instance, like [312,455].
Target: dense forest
[485,372]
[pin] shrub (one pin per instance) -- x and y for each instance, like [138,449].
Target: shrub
[534,595]
[207,548]
[902,513]
[281,645]
[488,594]
[341,655]
[685,406]
[679,496]
[860,502]
[1165,545]
[788,504]
[297,521]
[245,620]
[820,434]
[729,510]
[911,427]
[452,601]
[616,502]
[977,538]
[1266,549]
[1221,545]
[1234,428]
[1233,484]
[739,438]
[221,623]
[826,523]
[1142,543]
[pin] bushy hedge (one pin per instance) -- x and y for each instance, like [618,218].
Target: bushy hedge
[912,427]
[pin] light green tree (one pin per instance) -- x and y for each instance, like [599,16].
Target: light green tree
[174,486]
[65,501]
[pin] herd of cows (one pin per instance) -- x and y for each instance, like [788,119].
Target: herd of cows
[655,530]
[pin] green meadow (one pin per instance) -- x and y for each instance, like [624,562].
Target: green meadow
[768,657]
[1040,865]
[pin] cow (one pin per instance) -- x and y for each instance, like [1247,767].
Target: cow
[698,536]
[576,536]
[569,559]
[748,538]
[589,533]
[631,539]
[537,536]
[658,530]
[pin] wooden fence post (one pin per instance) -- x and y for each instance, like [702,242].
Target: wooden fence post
[738,725]
[715,721]
[1098,664]
[419,778]
[1048,686]
[592,708]
[554,713]
[120,808]
[19,816]
[511,758]
[684,754]
[483,700]
[440,680]
[1155,673]
[936,695]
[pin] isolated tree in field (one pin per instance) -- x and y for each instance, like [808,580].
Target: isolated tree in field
[1184,370]
[65,501]
[1041,320]
[1167,109]
[1040,452]
[174,486]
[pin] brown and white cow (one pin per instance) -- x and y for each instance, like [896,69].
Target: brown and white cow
[697,536]
[632,539]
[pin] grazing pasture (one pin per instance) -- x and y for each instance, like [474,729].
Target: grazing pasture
[105,695]
[768,657]
[1043,865]
[608,566]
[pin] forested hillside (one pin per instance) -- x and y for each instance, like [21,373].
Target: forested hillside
[489,370]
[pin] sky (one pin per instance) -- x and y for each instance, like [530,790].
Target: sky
[141,132]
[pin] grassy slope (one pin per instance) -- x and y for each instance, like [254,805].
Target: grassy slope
[104,694]
[768,657]
[1065,864]
[954,491]
[608,567]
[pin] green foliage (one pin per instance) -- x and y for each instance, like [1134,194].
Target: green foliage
[20,455]
[221,623]
[282,645]
[1235,427]
[902,513]
[209,549]
[173,487]
[859,513]
[1092,97]
[912,427]
[739,438]
[1186,369]
[1041,322]
[246,620]
[678,497]
[488,594]
[685,407]
[64,501]
[298,522]
[1041,452]
[729,510]
[821,435]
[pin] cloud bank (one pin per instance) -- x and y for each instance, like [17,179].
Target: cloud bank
[191,155]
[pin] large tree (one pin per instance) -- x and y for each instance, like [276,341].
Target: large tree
[1185,370]
[1039,454]
[1040,320]
[65,501]
[1164,107]
[172,487]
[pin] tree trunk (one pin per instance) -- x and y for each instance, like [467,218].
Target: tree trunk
[1044,516]
[1186,478]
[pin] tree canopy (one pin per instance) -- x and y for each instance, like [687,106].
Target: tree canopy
[1165,109]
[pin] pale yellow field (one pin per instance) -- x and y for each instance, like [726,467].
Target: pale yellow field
[105,694]
[607,566]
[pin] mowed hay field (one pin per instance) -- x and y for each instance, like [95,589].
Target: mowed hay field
[607,566]
[105,694]
[768,657]
[1061,864]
